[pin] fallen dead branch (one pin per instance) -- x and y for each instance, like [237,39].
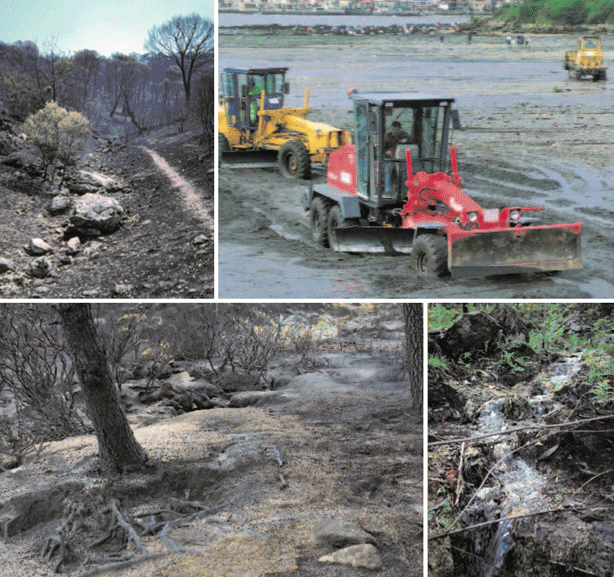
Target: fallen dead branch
[122,564]
[516,517]
[523,428]
[276,454]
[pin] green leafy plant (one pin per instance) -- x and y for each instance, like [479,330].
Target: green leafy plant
[56,133]
[438,362]
[440,316]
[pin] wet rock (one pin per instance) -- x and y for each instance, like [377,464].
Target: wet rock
[40,267]
[6,265]
[59,205]
[98,212]
[250,398]
[339,533]
[511,322]
[543,544]
[472,332]
[479,331]
[441,563]
[366,556]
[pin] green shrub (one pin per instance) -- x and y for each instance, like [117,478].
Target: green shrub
[603,14]
[571,14]
[55,132]
[528,12]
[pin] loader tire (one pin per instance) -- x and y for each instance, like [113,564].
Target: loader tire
[336,220]
[318,217]
[294,160]
[430,255]
[223,146]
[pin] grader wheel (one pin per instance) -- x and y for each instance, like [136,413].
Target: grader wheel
[294,160]
[318,217]
[429,255]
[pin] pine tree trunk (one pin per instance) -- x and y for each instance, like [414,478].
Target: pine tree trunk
[414,343]
[117,445]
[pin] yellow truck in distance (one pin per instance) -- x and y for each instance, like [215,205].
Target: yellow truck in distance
[587,60]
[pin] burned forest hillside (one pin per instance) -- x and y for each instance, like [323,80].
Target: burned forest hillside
[120,202]
[281,440]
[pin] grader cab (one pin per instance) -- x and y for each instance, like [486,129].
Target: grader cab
[256,129]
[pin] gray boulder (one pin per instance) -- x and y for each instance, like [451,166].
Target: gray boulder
[87,182]
[366,556]
[40,267]
[339,533]
[73,246]
[250,398]
[6,265]
[99,212]
[38,247]
[59,205]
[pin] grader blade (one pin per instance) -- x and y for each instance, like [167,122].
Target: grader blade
[249,159]
[373,239]
[514,251]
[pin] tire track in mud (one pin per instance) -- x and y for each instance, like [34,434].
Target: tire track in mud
[189,193]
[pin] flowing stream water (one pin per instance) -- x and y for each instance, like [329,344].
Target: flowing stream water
[523,486]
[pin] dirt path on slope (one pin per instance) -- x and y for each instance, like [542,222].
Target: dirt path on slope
[164,247]
[192,201]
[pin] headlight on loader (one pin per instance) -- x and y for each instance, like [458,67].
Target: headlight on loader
[515,215]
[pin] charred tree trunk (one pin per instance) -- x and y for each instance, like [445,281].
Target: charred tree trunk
[133,118]
[117,445]
[413,318]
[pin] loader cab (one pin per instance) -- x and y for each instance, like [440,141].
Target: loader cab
[242,94]
[387,124]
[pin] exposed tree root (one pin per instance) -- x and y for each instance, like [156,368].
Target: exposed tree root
[119,527]
[61,540]
[121,564]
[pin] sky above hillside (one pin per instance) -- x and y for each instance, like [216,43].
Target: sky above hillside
[106,26]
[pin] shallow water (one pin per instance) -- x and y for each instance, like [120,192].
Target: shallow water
[523,485]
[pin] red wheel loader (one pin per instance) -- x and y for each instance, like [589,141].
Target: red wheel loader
[390,193]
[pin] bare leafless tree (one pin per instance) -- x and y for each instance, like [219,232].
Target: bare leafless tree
[188,40]
[117,446]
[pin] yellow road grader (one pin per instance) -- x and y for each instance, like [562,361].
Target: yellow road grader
[587,60]
[255,129]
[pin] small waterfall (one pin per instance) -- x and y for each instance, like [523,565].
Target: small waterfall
[523,485]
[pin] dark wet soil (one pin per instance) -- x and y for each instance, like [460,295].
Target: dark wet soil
[530,137]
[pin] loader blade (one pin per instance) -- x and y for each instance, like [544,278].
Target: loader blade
[249,159]
[512,251]
[374,239]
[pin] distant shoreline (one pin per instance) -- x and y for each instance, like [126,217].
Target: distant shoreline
[429,13]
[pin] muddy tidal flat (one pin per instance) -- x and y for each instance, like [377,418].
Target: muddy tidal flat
[530,136]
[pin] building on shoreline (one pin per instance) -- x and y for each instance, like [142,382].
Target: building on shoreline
[380,7]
